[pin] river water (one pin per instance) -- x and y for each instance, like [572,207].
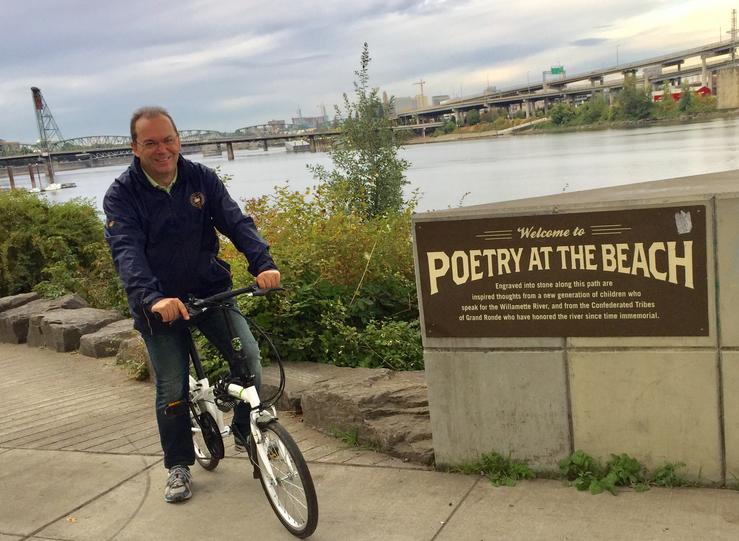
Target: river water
[485,170]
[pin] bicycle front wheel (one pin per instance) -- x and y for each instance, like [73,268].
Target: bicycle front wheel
[290,490]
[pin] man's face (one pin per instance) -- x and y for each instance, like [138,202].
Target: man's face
[157,146]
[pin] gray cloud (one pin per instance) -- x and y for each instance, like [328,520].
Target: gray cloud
[589,42]
[223,64]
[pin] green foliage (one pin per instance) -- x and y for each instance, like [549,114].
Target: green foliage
[593,110]
[55,249]
[350,298]
[562,114]
[368,177]
[137,369]
[580,469]
[668,477]
[585,473]
[498,469]
[665,107]
[353,438]
[472,117]
[634,103]
[686,98]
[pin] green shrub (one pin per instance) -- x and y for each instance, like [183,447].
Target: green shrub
[562,114]
[500,470]
[55,248]
[472,118]
[350,295]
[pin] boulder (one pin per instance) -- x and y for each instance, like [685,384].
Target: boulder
[386,409]
[61,329]
[106,342]
[300,377]
[134,357]
[6,303]
[14,322]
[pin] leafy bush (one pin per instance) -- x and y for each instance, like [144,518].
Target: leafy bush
[562,114]
[346,303]
[472,117]
[55,249]
[500,470]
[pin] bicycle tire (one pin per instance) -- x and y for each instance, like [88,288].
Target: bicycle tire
[203,455]
[293,499]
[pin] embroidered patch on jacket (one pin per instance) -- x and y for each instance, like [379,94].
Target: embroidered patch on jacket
[197,200]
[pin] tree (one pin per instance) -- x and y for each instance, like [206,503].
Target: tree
[368,176]
[562,114]
[472,118]
[686,98]
[635,103]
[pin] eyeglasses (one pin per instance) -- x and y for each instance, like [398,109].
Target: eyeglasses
[151,145]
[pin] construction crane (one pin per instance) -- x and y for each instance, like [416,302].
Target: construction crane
[420,83]
[48,130]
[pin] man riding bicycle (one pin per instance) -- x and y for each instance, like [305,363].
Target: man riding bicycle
[162,218]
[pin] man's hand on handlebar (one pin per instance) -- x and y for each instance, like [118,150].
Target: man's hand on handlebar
[170,309]
[269,279]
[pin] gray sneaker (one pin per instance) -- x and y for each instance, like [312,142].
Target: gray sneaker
[178,485]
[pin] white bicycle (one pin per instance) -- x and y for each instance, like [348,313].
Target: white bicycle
[276,458]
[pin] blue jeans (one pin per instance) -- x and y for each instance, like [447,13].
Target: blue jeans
[170,358]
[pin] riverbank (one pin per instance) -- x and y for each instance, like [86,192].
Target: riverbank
[546,128]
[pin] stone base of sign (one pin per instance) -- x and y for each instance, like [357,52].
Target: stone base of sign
[658,398]
[730,376]
[660,406]
[511,402]
[727,212]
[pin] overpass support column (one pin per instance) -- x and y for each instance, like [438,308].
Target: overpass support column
[312,142]
[230,151]
[458,118]
[49,169]
[527,106]
[265,145]
[30,173]
[11,179]
[705,81]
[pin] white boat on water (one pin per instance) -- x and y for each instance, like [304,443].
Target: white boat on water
[53,187]
[298,145]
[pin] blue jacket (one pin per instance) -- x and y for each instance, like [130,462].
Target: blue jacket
[165,245]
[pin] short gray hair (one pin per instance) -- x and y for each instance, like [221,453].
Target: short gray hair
[149,111]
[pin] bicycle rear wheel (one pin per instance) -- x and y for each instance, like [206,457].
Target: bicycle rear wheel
[290,492]
[202,428]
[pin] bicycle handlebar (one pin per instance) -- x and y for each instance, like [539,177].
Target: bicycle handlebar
[195,306]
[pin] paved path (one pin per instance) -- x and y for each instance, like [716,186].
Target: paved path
[80,460]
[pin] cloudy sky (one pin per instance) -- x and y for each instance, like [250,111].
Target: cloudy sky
[226,64]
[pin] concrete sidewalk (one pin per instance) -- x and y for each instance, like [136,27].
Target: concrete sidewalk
[80,460]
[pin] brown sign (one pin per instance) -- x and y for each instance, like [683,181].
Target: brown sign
[615,273]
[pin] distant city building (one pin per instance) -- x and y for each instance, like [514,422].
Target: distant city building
[405,104]
[436,100]
[421,101]
[9,146]
[276,126]
[309,122]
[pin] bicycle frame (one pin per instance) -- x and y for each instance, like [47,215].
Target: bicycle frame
[202,393]
[276,458]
